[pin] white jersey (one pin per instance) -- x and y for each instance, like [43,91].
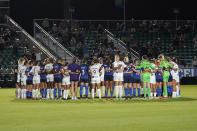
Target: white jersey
[95,70]
[21,71]
[102,70]
[48,67]
[66,71]
[175,66]
[153,77]
[35,70]
[152,70]
[117,63]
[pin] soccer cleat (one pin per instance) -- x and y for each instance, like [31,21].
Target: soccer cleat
[106,99]
[111,99]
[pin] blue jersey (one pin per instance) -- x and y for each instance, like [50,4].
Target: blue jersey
[43,73]
[29,76]
[158,74]
[108,73]
[56,69]
[60,66]
[128,70]
[84,71]
[137,75]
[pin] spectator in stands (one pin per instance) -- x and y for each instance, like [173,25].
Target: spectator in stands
[45,24]
[38,56]
[195,44]
[15,46]
[54,28]
[2,42]
[85,51]
[194,62]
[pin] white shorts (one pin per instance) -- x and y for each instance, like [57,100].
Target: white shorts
[96,80]
[66,81]
[50,78]
[118,77]
[23,81]
[36,80]
[102,78]
[176,78]
[152,79]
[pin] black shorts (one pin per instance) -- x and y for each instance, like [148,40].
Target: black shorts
[57,80]
[128,79]
[159,80]
[84,80]
[43,80]
[29,82]
[170,79]
[137,81]
[108,78]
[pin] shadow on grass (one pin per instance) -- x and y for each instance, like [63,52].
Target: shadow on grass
[103,101]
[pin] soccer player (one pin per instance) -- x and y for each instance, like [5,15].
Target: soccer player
[165,65]
[65,81]
[29,79]
[19,73]
[96,77]
[137,77]
[169,84]
[43,80]
[128,78]
[108,78]
[153,79]
[102,76]
[159,79]
[50,78]
[118,67]
[23,80]
[175,77]
[57,79]
[35,71]
[84,77]
[74,78]
[146,66]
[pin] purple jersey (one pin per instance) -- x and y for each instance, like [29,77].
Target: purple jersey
[73,68]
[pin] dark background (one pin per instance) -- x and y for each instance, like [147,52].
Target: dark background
[24,11]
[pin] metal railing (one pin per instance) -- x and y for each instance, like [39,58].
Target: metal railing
[44,37]
[27,37]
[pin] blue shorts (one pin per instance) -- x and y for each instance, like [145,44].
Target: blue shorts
[170,79]
[43,80]
[137,81]
[108,78]
[128,79]
[57,80]
[29,82]
[84,80]
[159,80]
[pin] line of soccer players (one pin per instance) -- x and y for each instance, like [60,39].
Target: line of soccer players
[154,78]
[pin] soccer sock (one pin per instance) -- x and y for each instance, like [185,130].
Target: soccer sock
[106,93]
[116,91]
[48,92]
[126,92]
[52,93]
[36,93]
[25,96]
[165,91]
[103,90]
[22,93]
[55,92]
[160,92]
[19,93]
[86,91]
[99,93]
[81,91]
[27,93]
[59,92]
[113,89]
[149,92]
[92,93]
[177,91]
[144,89]
[30,94]
[67,93]
[33,93]
[121,91]
[130,91]
[157,90]
[45,92]
[134,92]
[42,92]
[64,94]
[139,92]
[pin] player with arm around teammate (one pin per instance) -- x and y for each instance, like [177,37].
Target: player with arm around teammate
[84,77]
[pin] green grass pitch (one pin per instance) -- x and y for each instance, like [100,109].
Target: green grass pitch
[179,114]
